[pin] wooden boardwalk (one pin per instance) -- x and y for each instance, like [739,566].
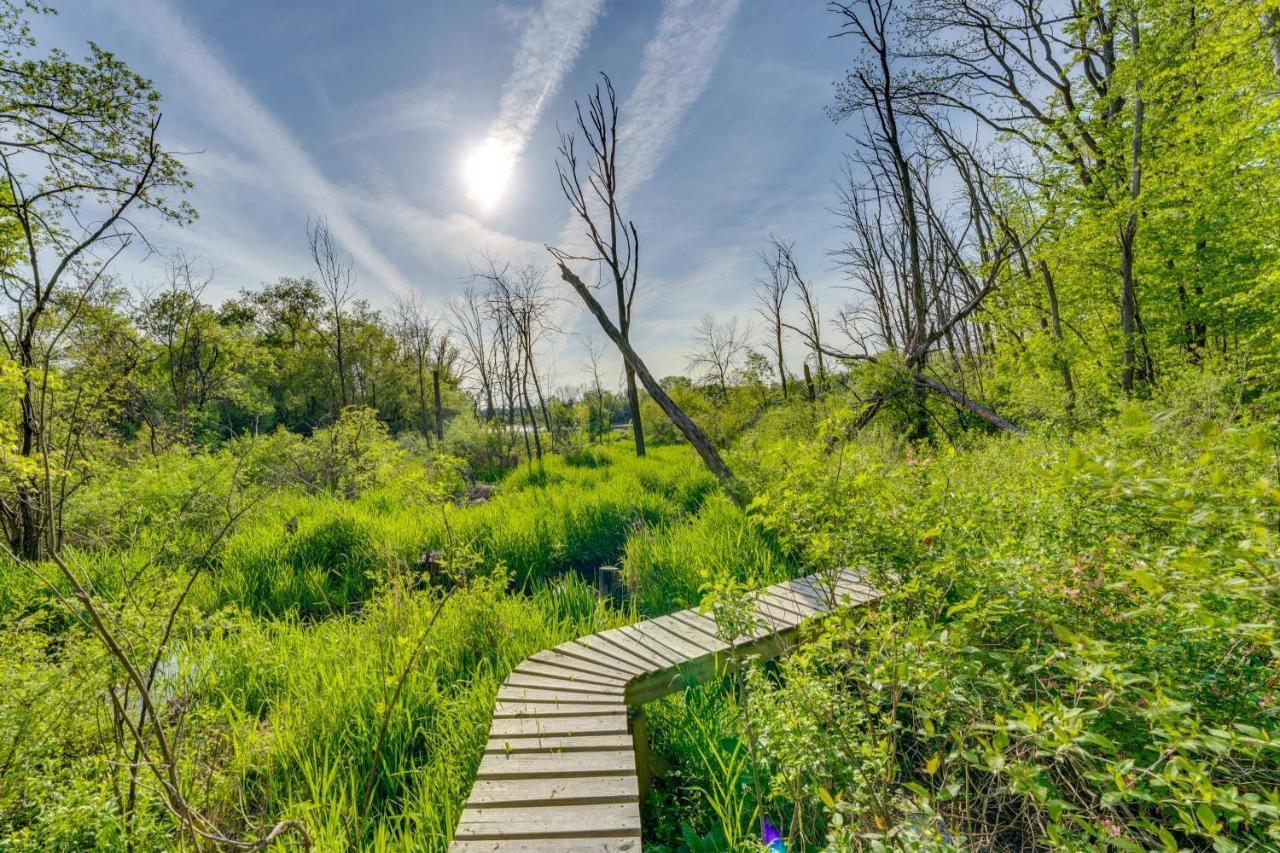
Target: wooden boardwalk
[560,770]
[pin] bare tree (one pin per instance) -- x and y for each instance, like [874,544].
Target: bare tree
[444,357]
[924,265]
[337,284]
[519,303]
[595,356]
[718,349]
[479,352]
[810,313]
[771,301]
[416,334]
[613,240]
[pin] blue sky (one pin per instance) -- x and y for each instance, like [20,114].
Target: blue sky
[367,113]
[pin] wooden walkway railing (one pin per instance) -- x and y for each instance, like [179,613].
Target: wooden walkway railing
[560,770]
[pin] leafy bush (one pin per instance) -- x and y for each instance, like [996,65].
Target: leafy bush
[1078,650]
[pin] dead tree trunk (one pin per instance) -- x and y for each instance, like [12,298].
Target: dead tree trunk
[690,430]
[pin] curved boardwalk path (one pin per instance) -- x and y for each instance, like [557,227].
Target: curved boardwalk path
[560,770]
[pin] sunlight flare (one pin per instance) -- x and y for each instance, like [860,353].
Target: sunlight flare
[486,172]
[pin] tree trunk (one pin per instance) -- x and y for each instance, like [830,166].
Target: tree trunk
[690,430]
[633,393]
[782,368]
[341,359]
[1271,27]
[1128,292]
[422,401]
[1055,325]
[439,404]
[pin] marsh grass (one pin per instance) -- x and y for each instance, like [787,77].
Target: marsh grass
[300,624]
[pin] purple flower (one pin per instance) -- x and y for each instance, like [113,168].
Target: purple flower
[771,837]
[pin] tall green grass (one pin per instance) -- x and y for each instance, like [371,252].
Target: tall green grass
[317,555]
[667,565]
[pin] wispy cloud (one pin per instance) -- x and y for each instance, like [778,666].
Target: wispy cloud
[246,121]
[553,37]
[677,67]
[420,108]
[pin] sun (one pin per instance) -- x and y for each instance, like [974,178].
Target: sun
[486,171]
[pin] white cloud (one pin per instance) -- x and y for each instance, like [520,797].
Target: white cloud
[239,115]
[677,67]
[548,49]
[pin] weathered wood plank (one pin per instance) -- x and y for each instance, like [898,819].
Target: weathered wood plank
[572,742]
[534,695]
[685,650]
[550,845]
[603,724]
[516,709]
[563,685]
[687,633]
[593,820]
[610,653]
[628,640]
[800,611]
[698,622]
[541,792]
[559,765]
[589,669]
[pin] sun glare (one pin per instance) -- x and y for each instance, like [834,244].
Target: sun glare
[486,172]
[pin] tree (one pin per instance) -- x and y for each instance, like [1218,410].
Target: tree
[771,300]
[79,154]
[718,349]
[478,352]
[416,332]
[599,421]
[337,284]
[613,240]
[444,355]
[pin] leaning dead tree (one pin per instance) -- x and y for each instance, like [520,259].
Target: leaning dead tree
[690,430]
[613,241]
[618,248]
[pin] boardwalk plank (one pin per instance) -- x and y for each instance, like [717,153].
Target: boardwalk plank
[550,845]
[559,769]
[688,633]
[699,622]
[655,649]
[534,695]
[610,652]
[516,709]
[572,742]
[559,765]
[607,820]
[589,668]
[562,685]
[540,792]
[686,650]
[603,724]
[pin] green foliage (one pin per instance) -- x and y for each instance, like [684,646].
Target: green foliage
[667,566]
[1078,650]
